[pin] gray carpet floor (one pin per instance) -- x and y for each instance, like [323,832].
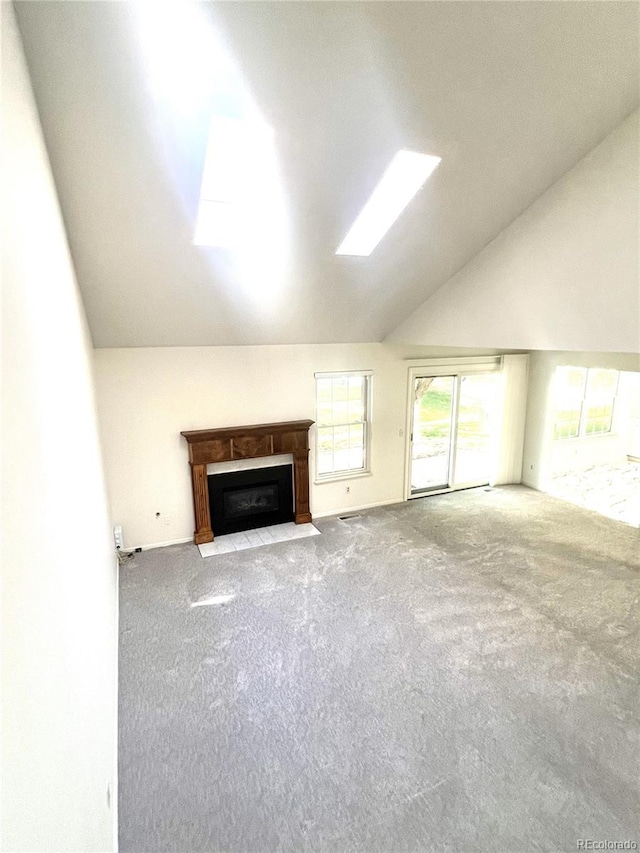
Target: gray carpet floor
[457,673]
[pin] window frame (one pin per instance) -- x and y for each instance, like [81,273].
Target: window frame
[351,473]
[585,401]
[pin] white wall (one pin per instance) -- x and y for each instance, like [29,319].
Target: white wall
[538,445]
[146,397]
[515,370]
[563,276]
[59,603]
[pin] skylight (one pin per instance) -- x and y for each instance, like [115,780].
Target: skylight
[239,192]
[402,179]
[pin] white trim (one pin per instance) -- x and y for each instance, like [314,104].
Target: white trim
[455,425]
[347,475]
[254,463]
[335,374]
[347,509]
[159,544]
[458,488]
[453,366]
[459,360]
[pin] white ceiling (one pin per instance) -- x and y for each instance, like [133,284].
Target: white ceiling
[509,94]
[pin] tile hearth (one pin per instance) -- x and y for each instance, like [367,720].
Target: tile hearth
[255,538]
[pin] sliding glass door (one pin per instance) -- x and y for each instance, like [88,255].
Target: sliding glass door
[452,431]
[433,416]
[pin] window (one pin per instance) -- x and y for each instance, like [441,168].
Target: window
[597,414]
[342,423]
[240,195]
[585,399]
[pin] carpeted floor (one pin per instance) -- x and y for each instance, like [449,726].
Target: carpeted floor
[613,490]
[457,673]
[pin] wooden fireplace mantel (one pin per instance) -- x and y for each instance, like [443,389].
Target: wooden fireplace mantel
[247,442]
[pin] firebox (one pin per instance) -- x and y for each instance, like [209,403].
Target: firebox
[243,500]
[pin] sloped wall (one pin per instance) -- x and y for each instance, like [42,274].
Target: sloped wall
[59,606]
[563,276]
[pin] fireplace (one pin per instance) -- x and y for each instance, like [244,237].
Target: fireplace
[244,500]
[228,444]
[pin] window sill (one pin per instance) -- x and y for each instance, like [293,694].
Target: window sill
[336,478]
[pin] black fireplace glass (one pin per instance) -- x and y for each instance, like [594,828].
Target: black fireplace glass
[243,500]
[251,501]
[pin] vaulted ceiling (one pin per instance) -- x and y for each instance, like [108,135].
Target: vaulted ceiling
[510,95]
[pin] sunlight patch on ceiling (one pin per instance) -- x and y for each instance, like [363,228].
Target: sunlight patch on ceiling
[185,61]
[402,179]
[241,206]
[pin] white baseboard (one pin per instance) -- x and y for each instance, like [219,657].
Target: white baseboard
[159,544]
[339,511]
[348,509]
[532,483]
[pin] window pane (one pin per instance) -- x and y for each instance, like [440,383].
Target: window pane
[569,386]
[324,414]
[356,446]
[325,450]
[567,429]
[356,411]
[356,458]
[602,382]
[341,460]
[568,414]
[356,384]
[340,412]
[571,380]
[598,425]
[325,463]
[356,435]
[341,448]
[323,388]
[592,428]
[325,439]
[340,437]
[602,385]
[324,410]
[340,389]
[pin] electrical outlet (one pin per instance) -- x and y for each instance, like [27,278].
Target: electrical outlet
[348,489]
[167,520]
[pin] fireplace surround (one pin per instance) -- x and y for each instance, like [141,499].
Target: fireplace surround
[247,442]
